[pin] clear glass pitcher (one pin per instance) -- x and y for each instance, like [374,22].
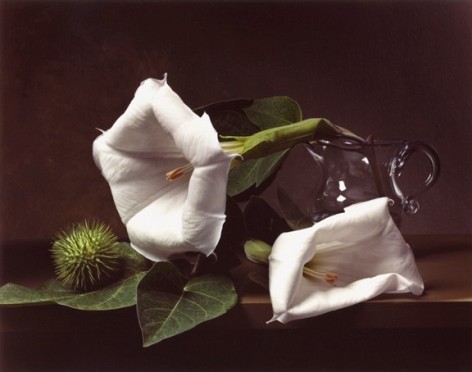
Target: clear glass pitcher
[350,170]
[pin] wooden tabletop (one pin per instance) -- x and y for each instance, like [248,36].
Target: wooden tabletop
[390,332]
[445,263]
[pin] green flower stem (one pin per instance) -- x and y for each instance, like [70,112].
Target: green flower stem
[273,140]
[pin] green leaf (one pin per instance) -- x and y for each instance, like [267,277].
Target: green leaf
[229,118]
[253,172]
[168,304]
[268,165]
[265,113]
[274,112]
[133,261]
[242,177]
[16,295]
[244,117]
[117,295]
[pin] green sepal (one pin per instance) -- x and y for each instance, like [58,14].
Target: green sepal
[257,251]
[272,140]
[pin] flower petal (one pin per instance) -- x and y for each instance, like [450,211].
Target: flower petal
[158,133]
[362,245]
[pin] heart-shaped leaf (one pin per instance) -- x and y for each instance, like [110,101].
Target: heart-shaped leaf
[119,294]
[168,304]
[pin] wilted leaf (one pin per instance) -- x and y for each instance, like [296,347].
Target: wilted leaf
[168,304]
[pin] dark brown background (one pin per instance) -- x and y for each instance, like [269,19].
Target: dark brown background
[396,69]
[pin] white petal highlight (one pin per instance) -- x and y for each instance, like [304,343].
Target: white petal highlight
[158,133]
[362,247]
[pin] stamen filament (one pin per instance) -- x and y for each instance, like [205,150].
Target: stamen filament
[179,172]
[229,147]
[328,277]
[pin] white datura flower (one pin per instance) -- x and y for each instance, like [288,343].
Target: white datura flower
[343,260]
[165,214]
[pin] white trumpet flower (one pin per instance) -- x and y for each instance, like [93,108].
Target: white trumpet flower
[343,260]
[165,214]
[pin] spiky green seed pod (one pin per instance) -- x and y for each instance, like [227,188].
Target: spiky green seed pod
[86,256]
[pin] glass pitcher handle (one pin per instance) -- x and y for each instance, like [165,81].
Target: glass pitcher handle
[409,204]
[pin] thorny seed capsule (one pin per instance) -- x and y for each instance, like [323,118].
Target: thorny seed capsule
[86,256]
